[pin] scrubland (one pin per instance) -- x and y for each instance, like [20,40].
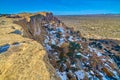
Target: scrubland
[95,26]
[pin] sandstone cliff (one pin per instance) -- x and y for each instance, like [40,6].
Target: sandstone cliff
[22,58]
[33,25]
[72,56]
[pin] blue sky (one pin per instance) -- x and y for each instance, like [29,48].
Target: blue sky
[61,7]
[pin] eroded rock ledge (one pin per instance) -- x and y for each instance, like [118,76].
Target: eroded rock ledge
[21,56]
[72,56]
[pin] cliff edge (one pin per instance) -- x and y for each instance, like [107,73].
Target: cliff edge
[22,58]
[42,38]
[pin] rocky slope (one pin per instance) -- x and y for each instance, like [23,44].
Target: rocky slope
[72,56]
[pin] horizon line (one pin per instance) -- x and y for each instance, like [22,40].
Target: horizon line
[68,14]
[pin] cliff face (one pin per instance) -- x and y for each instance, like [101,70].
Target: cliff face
[72,56]
[33,25]
[22,58]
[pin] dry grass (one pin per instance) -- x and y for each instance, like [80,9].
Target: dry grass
[94,26]
[28,61]
[6,27]
[24,62]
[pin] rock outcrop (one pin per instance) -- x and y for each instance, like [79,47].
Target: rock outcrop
[26,61]
[33,25]
[22,58]
[72,56]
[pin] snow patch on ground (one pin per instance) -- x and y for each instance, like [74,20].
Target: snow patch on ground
[80,74]
[62,75]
